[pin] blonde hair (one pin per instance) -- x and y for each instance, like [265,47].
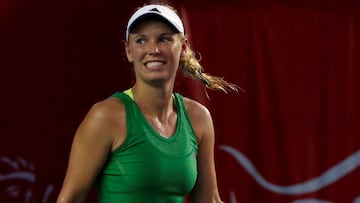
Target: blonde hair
[191,67]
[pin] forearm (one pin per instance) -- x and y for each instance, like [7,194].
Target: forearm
[208,199]
[68,195]
[71,199]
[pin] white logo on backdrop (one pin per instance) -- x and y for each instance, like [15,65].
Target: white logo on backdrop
[19,180]
[328,177]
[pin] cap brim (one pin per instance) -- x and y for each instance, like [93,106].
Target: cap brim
[151,16]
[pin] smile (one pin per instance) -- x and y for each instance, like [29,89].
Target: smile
[154,64]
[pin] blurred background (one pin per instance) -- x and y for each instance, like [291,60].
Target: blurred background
[292,136]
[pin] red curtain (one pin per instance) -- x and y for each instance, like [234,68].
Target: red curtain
[291,136]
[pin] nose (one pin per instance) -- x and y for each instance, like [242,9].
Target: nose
[153,49]
[155,52]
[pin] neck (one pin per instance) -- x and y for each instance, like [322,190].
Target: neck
[154,101]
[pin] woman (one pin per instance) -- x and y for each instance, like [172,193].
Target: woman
[148,144]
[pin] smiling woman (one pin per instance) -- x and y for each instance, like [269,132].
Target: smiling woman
[155,49]
[147,143]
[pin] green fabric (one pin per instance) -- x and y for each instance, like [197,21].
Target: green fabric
[149,168]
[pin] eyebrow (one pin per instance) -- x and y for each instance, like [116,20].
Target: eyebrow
[162,34]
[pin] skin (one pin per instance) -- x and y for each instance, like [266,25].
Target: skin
[104,127]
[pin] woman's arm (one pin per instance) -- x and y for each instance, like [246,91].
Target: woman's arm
[206,189]
[91,146]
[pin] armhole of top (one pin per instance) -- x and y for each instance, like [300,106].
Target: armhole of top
[125,97]
[181,103]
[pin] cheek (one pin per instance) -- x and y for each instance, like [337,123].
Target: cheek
[177,51]
[128,53]
[134,55]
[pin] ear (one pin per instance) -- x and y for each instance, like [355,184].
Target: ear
[128,52]
[183,47]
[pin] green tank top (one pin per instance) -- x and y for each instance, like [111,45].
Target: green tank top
[147,167]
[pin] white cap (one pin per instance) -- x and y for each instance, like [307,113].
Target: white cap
[156,10]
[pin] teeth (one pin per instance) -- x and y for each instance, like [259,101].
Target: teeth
[153,64]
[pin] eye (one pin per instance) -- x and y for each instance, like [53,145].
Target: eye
[164,39]
[140,41]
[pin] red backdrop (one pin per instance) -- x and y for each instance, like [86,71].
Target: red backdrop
[292,136]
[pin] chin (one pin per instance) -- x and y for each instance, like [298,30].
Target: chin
[159,81]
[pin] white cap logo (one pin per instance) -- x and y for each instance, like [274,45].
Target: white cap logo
[158,10]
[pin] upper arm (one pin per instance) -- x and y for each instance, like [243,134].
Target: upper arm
[91,146]
[205,189]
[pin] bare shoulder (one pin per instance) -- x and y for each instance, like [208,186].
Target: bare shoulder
[196,109]
[104,121]
[200,118]
[108,109]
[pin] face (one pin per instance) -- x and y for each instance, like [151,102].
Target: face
[154,49]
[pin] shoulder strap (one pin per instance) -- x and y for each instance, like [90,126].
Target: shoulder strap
[179,102]
[132,116]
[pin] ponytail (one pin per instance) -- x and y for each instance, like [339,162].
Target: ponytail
[191,67]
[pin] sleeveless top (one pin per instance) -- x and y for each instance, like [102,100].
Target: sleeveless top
[147,167]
